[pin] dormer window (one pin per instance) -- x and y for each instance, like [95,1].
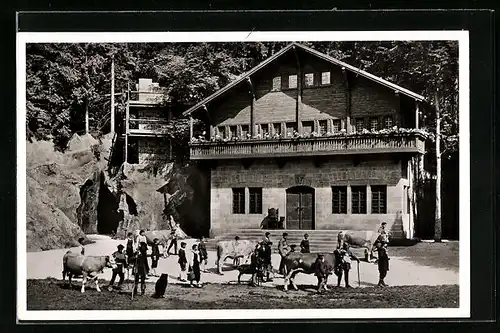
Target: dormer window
[360,124]
[292,81]
[373,124]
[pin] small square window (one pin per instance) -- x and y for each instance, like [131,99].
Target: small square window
[307,127]
[309,79]
[325,78]
[292,81]
[232,130]
[277,128]
[290,127]
[277,83]
[244,131]
[322,127]
[222,131]
[264,129]
[374,124]
[388,122]
[360,124]
[336,125]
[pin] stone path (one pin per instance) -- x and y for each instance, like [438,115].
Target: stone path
[48,264]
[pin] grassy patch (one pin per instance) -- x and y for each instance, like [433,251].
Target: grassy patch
[54,295]
[439,255]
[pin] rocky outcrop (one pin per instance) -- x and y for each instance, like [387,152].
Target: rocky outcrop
[47,227]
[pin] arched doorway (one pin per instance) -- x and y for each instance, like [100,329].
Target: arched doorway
[300,208]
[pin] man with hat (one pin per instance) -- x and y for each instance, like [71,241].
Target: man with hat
[283,250]
[321,272]
[343,263]
[121,262]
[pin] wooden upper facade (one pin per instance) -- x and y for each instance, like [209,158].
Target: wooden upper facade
[301,102]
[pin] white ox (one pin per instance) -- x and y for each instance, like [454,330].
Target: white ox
[235,249]
[76,264]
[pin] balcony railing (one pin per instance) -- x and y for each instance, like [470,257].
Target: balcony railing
[145,98]
[338,145]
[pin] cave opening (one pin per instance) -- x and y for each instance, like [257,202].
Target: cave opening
[108,217]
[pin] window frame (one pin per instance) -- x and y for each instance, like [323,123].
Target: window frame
[308,123]
[336,121]
[296,81]
[238,192]
[342,200]
[329,78]
[378,123]
[278,81]
[320,122]
[244,136]
[379,205]
[361,207]
[359,120]
[255,198]
[385,122]
[312,83]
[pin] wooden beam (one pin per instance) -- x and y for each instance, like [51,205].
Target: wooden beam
[417,114]
[112,122]
[298,107]
[348,126]
[211,130]
[252,103]
[190,126]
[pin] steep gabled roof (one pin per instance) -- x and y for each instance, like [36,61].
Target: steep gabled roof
[318,54]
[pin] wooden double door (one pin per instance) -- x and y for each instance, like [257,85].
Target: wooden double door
[300,208]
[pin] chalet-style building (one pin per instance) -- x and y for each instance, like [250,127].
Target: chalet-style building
[331,146]
[145,121]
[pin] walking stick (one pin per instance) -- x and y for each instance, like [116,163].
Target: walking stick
[359,280]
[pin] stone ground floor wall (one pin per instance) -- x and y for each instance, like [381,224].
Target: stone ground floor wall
[275,180]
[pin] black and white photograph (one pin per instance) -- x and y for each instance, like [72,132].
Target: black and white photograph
[249,175]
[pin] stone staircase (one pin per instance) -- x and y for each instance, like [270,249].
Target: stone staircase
[319,240]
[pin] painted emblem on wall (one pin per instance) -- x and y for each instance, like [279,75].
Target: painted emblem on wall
[299,179]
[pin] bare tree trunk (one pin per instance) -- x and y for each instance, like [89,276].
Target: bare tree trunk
[112,95]
[437,225]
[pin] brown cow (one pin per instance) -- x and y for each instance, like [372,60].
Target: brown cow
[235,249]
[77,264]
[297,262]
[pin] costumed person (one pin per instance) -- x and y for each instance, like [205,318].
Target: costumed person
[383,265]
[82,248]
[283,250]
[141,239]
[182,262]
[141,268]
[155,256]
[304,244]
[343,264]
[321,272]
[202,247]
[129,250]
[267,244]
[194,267]
[173,235]
[340,240]
[121,263]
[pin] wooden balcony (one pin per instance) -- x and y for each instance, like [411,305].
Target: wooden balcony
[147,127]
[334,145]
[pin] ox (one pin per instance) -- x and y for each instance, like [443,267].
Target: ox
[364,240]
[76,264]
[235,249]
[296,262]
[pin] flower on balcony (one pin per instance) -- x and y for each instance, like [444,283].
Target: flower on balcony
[314,134]
[365,131]
[194,140]
[248,136]
[267,136]
[257,137]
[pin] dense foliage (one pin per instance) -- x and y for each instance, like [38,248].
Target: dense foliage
[64,79]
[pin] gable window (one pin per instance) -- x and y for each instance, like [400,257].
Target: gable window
[325,78]
[379,199]
[290,127]
[244,131]
[232,131]
[292,81]
[322,127]
[239,200]
[336,125]
[388,122]
[373,124]
[309,79]
[307,127]
[339,199]
[255,200]
[358,199]
[277,83]
[222,131]
[264,129]
[360,124]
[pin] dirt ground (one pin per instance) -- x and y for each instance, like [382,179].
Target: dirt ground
[51,294]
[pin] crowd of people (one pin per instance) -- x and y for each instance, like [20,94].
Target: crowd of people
[133,259]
